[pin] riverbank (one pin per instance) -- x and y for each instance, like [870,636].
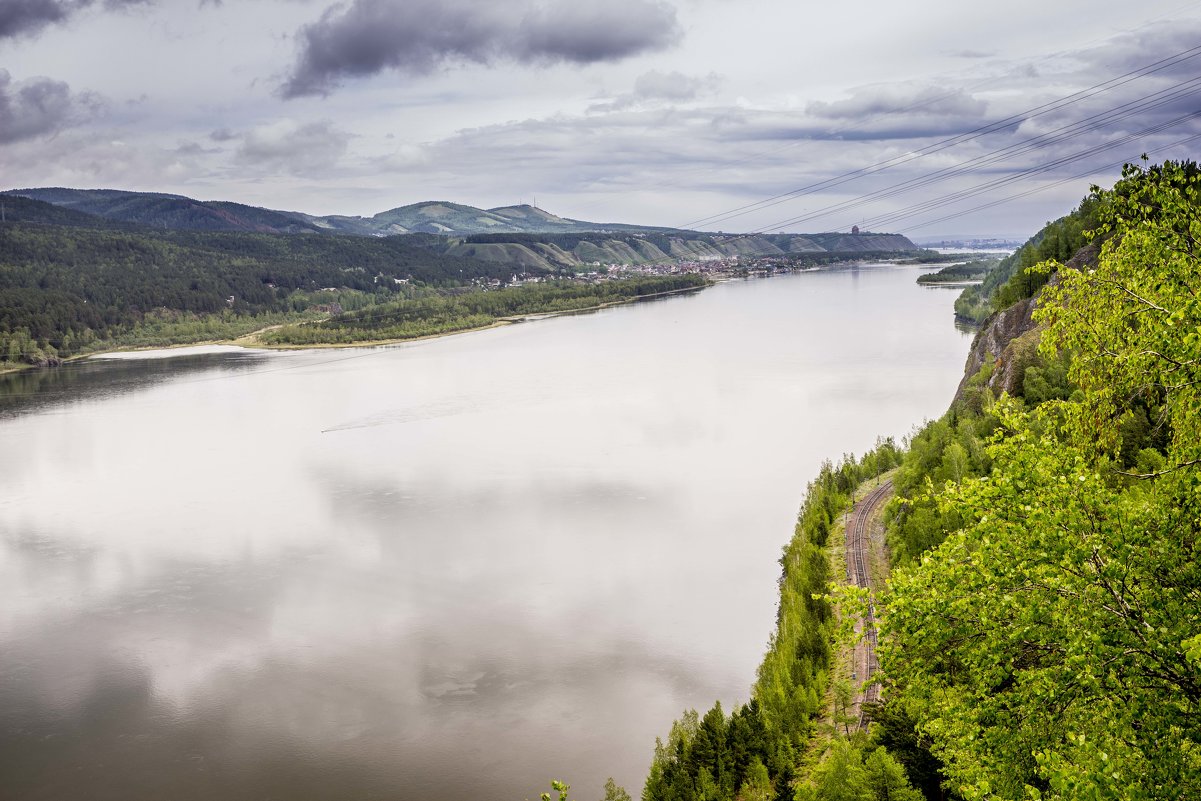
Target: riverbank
[252,341]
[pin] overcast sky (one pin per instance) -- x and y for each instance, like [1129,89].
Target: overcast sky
[664,112]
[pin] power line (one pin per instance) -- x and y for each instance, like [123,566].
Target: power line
[1035,143]
[955,197]
[1043,187]
[952,141]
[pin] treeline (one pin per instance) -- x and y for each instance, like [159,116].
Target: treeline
[443,313]
[65,289]
[1042,630]
[973,270]
[818,259]
[1012,279]
[759,751]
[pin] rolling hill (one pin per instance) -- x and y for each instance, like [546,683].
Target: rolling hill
[457,222]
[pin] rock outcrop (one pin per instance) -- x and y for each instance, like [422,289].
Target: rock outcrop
[1009,338]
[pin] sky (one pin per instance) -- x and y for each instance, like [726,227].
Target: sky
[733,115]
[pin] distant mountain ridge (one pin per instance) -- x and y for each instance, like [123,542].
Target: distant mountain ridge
[160,210]
[157,210]
[442,218]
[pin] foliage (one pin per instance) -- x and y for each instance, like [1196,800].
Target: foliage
[437,314]
[559,788]
[67,290]
[1046,647]
[615,792]
[973,270]
[850,772]
[1012,279]
[896,731]
[948,450]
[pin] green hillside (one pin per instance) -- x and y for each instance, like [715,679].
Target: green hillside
[155,210]
[66,290]
[1041,630]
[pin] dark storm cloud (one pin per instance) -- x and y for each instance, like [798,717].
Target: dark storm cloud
[417,36]
[27,17]
[18,17]
[33,108]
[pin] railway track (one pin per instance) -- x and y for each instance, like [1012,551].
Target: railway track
[858,545]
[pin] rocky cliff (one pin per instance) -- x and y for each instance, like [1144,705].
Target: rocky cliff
[1008,339]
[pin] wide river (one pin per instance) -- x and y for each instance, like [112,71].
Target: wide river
[449,570]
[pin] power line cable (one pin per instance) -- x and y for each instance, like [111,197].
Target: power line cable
[972,165]
[922,104]
[1044,187]
[954,197]
[952,141]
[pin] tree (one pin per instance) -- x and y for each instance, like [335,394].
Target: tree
[615,792]
[844,697]
[757,786]
[1046,646]
[886,778]
[840,775]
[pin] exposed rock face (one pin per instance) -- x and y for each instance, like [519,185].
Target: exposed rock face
[996,339]
[1009,338]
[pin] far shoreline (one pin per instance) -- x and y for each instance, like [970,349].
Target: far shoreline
[249,342]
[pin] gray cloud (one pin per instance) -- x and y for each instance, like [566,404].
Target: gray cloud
[659,88]
[886,100]
[417,36]
[1147,45]
[28,17]
[289,147]
[672,85]
[973,54]
[23,17]
[37,107]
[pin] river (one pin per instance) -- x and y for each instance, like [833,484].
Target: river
[446,570]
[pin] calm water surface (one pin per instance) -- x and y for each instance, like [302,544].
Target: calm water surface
[448,570]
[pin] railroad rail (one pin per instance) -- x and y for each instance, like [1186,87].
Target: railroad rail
[857,547]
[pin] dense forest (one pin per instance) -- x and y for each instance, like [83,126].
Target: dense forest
[1041,631]
[67,289]
[73,283]
[1013,279]
[974,270]
[431,314]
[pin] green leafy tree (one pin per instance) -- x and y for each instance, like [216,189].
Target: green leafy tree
[840,776]
[1045,647]
[615,792]
[757,785]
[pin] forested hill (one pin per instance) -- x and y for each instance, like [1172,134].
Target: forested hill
[64,288]
[1040,633]
[79,269]
[1043,628]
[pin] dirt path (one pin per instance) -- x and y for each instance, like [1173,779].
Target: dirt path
[865,535]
